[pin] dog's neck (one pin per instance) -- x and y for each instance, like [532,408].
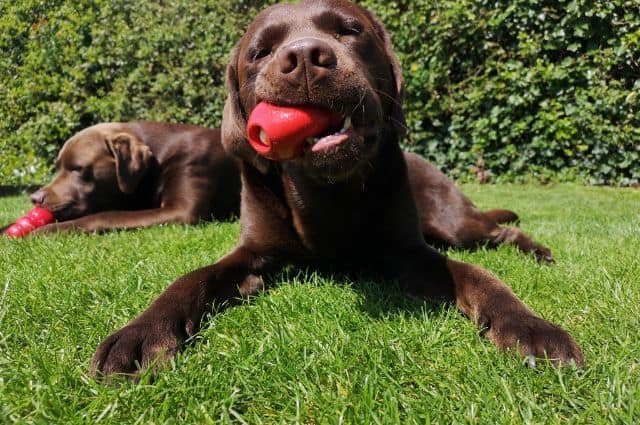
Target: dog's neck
[319,211]
[148,192]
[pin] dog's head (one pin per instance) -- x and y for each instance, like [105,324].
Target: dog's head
[331,54]
[95,169]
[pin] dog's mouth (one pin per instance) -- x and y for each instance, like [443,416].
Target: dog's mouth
[337,153]
[284,132]
[64,211]
[322,138]
[333,137]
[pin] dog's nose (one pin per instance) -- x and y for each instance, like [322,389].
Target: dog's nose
[38,197]
[312,56]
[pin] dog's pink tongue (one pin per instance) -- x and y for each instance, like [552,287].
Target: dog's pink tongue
[280,132]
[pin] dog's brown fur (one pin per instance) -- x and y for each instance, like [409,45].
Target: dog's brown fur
[348,207]
[137,174]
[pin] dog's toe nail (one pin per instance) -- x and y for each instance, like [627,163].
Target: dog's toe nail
[572,363]
[530,361]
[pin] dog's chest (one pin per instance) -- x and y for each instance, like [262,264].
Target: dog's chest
[330,221]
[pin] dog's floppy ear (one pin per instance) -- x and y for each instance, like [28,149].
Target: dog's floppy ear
[234,120]
[132,159]
[397,114]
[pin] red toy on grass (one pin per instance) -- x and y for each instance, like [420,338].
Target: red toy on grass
[36,217]
[280,132]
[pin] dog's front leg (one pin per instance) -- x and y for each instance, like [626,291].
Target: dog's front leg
[487,301]
[111,220]
[156,335]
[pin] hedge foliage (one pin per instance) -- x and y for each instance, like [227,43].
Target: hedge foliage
[506,88]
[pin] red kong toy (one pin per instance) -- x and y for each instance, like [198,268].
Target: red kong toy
[36,217]
[279,132]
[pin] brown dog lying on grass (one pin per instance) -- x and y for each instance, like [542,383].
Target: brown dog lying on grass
[346,203]
[137,174]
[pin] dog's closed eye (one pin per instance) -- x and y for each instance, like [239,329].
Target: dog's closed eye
[349,27]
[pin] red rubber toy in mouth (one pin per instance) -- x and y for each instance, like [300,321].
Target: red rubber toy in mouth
[280,132]
[36,217]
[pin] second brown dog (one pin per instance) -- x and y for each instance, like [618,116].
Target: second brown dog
[138,174]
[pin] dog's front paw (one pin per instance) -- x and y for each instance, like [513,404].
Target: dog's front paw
[543,254]
[136,347]
[535,338]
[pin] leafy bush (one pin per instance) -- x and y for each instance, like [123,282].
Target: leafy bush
[509,89]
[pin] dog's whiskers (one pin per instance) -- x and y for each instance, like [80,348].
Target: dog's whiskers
[393,99]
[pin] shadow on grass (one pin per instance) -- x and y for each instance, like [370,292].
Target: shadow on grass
[381,297]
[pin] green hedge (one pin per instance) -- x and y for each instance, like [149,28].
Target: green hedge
[513,89]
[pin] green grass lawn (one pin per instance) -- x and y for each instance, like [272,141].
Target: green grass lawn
[326,350]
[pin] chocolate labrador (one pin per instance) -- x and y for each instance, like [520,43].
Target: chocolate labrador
[137,174]
[345,204]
